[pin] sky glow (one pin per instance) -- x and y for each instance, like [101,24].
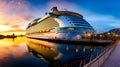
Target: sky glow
[16,14]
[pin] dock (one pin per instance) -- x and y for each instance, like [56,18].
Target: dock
[113,60]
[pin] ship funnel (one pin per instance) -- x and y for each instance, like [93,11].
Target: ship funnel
[54,9]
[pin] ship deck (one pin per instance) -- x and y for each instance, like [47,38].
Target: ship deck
[80,41]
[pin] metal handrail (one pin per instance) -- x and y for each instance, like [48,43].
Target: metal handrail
[102,54]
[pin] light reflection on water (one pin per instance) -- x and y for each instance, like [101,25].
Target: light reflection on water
[8,48]
[14,53]
[25,52]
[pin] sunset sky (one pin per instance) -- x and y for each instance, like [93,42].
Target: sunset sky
[15,15]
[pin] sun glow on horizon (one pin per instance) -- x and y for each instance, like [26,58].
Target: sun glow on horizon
[14,19]
[4,28]
[10,33]
[7,30]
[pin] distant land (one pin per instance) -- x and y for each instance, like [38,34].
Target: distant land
[10,36]
[115,31]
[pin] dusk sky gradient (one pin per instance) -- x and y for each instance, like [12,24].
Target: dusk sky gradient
[15,15]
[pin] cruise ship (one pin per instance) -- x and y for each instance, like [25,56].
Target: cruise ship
[59,25]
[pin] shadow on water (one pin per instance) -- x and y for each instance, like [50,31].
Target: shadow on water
[62,55]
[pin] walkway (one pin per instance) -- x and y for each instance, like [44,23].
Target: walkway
[114,59]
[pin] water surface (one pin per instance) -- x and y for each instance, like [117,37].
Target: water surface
[26,52]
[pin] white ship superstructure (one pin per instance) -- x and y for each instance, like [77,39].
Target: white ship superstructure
[59,25]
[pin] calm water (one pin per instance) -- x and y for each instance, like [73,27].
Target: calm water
[25,52]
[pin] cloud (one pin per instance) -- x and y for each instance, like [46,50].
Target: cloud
[17,17]
[101,23]
[116,24]
[4,28]
[21,19]
[13,5]
[19,30]
[14,13]
[15,28]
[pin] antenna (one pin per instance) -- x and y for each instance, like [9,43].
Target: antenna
[54,9]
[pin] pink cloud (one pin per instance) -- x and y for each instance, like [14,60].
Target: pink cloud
[22,18]
[14,13]
[3,5]
[13,5]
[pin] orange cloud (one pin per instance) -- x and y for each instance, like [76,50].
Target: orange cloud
[14,31]
[15,28]
[5,28]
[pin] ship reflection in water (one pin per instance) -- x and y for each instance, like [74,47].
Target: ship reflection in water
[25,52]
[62,55]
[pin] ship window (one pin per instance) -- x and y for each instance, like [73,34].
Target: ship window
[70,28]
